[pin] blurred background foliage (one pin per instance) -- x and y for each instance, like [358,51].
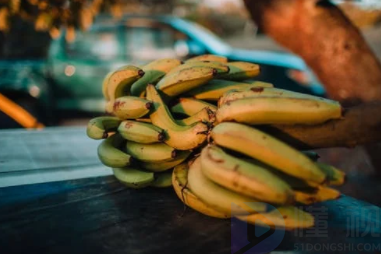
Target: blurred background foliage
[27,26]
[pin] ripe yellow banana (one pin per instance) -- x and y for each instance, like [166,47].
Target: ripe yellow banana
[154,71]
[120,81]
[131,107]
[215,88]
[162,179]
[265,92]
[190,106]
[99,127]
[156,152]
[220,67]
[134,178]
[218,197]
[241,71]
[244,177]
[104,86]
[267,149]
[141,132]
[165,165]
[204,115]
[110,153]
[319,194]
[335,176]
[278,110]
[287,217]
[185,194]
[185,80]
[177,136]
[208,57]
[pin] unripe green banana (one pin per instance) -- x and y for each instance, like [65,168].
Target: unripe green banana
[208,57]
[141,132]
[162,179]
[320,194]
[241,71]
[220,67]
[267,149]
[134,178]
[156,152]
[287,217]
[184,80]
[216,88]
[190,106]
[120,81]
[110,153]
[244,177]
[99,127]
[165,165]
[185,194]
[277,110]
[204,115]
[131,107]
[177,136]
[335,176]
[154,71]
[218,197]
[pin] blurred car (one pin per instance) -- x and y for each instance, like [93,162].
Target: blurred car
[70,79]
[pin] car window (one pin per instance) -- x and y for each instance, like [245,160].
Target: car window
[94,46]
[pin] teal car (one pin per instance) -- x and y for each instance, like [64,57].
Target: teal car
[69,81]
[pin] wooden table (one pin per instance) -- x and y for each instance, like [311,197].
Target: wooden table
[62,200]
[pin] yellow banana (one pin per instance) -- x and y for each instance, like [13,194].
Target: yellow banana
[204,115]
[277,110]
[215,88]
[287,217]
[335,176]
[110,153]
[140,132]
[120,81]
[220,67]
[165,165]
[267,149]
[133,178]
[179,183]
[319,194]
[104,86]
[244,177]
[177,136]
[156,152]
[185,80]
[241,71]
[154,71]
[143,120]
[218,197]
[162,179]
[190,106]
[99,127]
[208,57]
[131,107]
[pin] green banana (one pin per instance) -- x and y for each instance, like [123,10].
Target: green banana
[190,106]
[204,115]
[120,81]
[185,80]
[278,110]
[241,71]
[186,195]
[335,176]
[134,178]
[267,149]
[99,127]
[287,217]
[208,57]
[220,67]
[177,136]
[110,153]
[154,71]
[218,197]
[141,132]
[244,177]
[156,152]
[131,107]
[162,179]
[216,88]
[165,165]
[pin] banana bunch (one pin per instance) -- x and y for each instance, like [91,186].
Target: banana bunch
[193,125]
